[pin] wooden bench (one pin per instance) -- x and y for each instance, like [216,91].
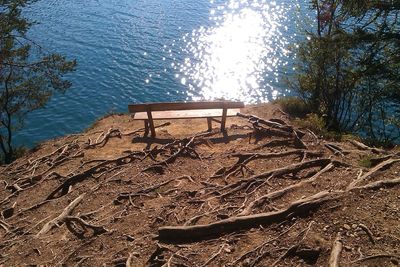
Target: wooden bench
[184,110]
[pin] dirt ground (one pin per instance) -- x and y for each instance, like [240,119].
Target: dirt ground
[264,193]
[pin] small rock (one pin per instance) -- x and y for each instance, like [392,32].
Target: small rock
[346,226]
[354,226]
[227,250]
[347,248]
[394,261]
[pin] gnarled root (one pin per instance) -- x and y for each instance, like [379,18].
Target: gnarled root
[61,218]
[337,246]
[196,232]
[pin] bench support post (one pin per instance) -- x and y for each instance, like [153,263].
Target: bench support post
[209,123]
[223,120]
[146,128]
[151,123]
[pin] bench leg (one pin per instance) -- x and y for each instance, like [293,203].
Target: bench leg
[223,120]
[151,124]
[209,123]
[146,128]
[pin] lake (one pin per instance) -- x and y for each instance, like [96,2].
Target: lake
[165,50]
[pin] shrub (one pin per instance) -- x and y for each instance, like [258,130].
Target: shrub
[294,106]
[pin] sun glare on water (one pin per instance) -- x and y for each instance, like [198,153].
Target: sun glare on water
[237,58]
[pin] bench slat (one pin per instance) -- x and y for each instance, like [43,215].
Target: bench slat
[184,106]
[185,114]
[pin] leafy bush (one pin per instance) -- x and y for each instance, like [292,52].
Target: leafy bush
[312,122]
[294,106]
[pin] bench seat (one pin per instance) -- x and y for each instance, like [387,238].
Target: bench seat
[148,112]
[185,114]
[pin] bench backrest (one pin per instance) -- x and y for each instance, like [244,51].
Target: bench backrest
[184,106]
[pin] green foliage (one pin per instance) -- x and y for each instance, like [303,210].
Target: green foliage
[294,106]
[312,122]
[366,161]
[348,68]
[317,125]
[28,77]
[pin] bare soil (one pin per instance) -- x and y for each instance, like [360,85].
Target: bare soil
[264,193]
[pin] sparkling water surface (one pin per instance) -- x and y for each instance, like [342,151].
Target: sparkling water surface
[160,50]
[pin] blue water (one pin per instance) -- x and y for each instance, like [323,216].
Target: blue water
[159,50]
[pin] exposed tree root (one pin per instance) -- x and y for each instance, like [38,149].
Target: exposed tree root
[362,146]
[273,124]
[377,184]
[294,249]
[105,137]
[371,257]
[196,232]
[64,188]
[244,158]
[368,232]
[141,192]
[297,208]
[335,149]
[277,143]
[214,255]
[257,250]
[236,220]
[61,218]
[281,192]
[260,178]
[74,223]
[276,127]
[377,168]
[336,250]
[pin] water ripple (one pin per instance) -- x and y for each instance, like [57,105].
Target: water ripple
[151,50]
